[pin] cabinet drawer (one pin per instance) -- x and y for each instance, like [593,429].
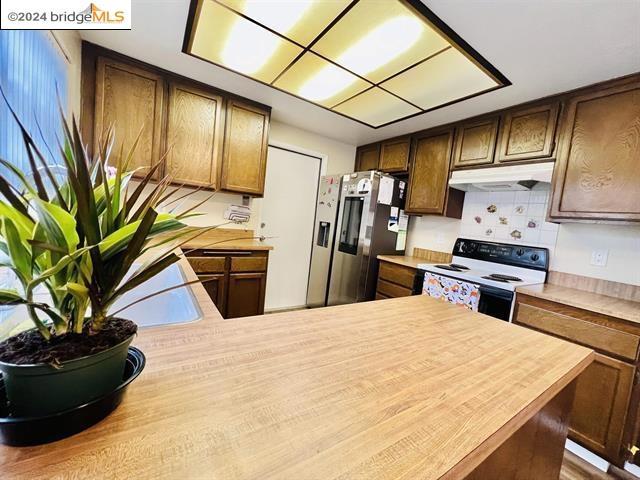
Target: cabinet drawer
[207,264]
[397,274]
[381,296]
[590,334]
[248,264]
[392,290]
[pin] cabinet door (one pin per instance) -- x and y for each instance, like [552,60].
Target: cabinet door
[215,287]
[367,157]
[194,134]
[475,142]
[598,167]
[244,157]
[429,176]
[600,406]
[246,294]
[528,133]
[394,155]
[130,99]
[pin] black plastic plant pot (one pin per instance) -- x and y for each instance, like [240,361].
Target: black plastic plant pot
[36,430]
[41,389]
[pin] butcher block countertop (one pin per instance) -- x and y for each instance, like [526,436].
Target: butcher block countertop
[401,388]
[593,302]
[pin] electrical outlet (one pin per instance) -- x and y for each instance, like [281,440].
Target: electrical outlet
[599,257]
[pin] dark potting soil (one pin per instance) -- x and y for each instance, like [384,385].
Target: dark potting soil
[30,347]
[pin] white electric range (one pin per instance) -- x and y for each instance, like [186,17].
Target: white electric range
[493,269]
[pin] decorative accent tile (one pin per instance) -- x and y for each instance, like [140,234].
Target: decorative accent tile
[498,215]
[516,234]
[520,209]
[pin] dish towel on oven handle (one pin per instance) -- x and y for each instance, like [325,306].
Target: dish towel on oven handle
[451,290]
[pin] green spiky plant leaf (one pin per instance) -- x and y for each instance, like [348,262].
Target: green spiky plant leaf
[80,236]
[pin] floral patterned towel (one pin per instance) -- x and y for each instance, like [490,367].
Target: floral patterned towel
[451,290]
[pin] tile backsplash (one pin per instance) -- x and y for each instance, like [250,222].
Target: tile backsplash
[510,217]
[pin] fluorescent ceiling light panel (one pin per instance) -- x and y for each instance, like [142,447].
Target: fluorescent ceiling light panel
[225,38]
[374,61]
[376,107]
[377,39]
[445,78]
[298,20]
[319,81]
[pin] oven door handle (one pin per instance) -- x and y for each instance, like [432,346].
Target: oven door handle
[496,292]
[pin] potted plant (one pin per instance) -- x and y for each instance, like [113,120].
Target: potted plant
[78,237]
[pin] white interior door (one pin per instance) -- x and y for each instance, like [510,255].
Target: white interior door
[287,214]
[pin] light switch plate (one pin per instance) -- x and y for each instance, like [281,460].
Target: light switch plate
[599,257]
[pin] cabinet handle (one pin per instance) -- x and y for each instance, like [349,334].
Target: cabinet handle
[221,252]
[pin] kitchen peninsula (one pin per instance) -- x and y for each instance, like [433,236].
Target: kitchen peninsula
[401,388]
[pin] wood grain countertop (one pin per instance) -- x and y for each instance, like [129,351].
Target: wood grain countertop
[230,240]
[593,302]
[404,260]
[401,388]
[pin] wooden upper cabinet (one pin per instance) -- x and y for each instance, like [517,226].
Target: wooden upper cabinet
[476,142]
[597,174]
[244,157]
[130,99]
[429,173]
[528,133]
[394,155]
[194,135]
[367,157]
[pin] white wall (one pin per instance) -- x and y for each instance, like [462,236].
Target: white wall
[340,156]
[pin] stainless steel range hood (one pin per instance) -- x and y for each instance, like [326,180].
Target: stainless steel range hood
[502,179]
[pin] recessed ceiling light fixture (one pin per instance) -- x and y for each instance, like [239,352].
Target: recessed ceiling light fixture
[376,62]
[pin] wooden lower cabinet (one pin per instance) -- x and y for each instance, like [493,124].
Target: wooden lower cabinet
[215,285]
[600,406]
[246,294]
[606,399]
[394,280]
[235,281]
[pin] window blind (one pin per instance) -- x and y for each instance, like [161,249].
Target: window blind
[31,66]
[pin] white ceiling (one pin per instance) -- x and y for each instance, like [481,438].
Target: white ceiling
[542,46]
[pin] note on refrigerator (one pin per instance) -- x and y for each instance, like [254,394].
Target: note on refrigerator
[403,223]
[392,224]
[385,191]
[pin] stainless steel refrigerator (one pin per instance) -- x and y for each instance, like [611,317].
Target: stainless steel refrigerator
[370,222]
[323,236]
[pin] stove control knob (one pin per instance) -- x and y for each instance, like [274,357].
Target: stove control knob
[468,247]
[535,257]
[520,252]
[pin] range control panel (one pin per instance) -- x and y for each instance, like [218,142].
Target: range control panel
[536,258]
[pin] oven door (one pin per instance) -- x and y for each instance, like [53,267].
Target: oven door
[495,302]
